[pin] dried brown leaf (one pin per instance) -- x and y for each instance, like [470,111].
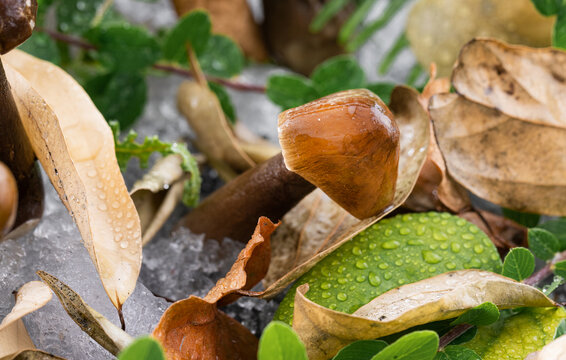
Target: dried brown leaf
[31,355]
[76,148]
[8,199]
[318,241]
[194,328]
[100,329]
[157,194]
[445,296]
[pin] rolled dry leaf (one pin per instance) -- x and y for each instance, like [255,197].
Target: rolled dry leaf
[76,148]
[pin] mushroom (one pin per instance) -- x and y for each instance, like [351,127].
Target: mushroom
[17,19]
[347,144]
[8,199]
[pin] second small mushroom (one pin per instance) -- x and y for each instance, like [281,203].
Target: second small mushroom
[347,144]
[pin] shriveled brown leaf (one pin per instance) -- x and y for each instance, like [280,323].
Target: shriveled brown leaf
[31,355]
[555,350]
[13,334]
[318,241]
[157,194]
[194,328]
[100,329]
[214,138]
[232,18]
[445,296]
[76,148]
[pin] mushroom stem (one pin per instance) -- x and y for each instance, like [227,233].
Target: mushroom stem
[268,189]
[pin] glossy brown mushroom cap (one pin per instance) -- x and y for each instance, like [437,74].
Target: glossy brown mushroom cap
[347,144]
[8,199]
[17,21]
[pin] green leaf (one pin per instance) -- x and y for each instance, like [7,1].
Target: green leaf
[119,96]
[383,90]
[124,48]
[290,91]
[556,282]
[224,100]
[543,243]
[455,352]
[193,28]
[519,264]
[145,348]
[359,15]
[75,16]
[280,342]
[42,46]
[559,33]
[327,12]
[401,44]
[222,57]
[560,268]
[467,336]
[129,148]
[558,228]
[517,336]
[560,329]
[547,7]
[525,219]
[419,345]
[336,74]
[361,350]
[414,75]
[395,251]
[482,315]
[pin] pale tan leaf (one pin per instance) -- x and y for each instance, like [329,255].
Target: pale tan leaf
[31,355]
[441,297]
[214,138]
[157,194]
[104,332]
[556,350]
[14,338]
[75,146]
[513,163]
[31,296]
[414,128]
[258,149]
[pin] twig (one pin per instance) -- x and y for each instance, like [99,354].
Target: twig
[452,335]
[74,41]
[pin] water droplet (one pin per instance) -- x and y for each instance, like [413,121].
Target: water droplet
[389,245]
[431,269]
[467,236]
[99,185]
[387,275]
[102,196]
[474,263]
[473,229]
[388,232]
[342,296]
[404,231]
[398,262]
[421,230]
[360,278]
[102,207]
[455,247]
[415,242]
[91,173]
[478,249]
[342,281]
[341,269]
[361,264]
[124,244]
[373,279]
[130,224]
[383,266]
[451,230]
[461,222]
[444,246]
[439,236]
[356,251]
[423,219]
[325,285]
[372,246]
[400,281]
[119,215]
[332,306]
[326,294]
[115,205]
[451,266]
[431,257]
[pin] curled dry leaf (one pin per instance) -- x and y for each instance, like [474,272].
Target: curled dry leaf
[157,194]
[16,152]
[303,240]
[100,329]
[232,18]
[31,355]
[504,136]
[76,148]
[214,138]
[556,350]
[435,189]
[194,328]
[445,296]
[13,334]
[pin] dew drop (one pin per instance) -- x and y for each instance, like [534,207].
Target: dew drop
[415,242]
[124,244]
[467,236]
[404,231]
[478,249]
[361,264]
[383,266]
[356,251]
[360,278]
[373,279]
[102,196]
[431,257]
[91,173]
[451,266]
[439,236]
[387,275]
[342,281]
[342,296]
[130,224]
[455,247]
[325,285]
[390,245]
[326,294]
[102,207]
[115,205]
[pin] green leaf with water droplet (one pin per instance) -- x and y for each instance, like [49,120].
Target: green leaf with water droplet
[193,28]
[396,251]
[336,74]
[418,345]
[455,352]
[519,264]
[75,16]
[558,228]
[42,46]
[517,336]
[360,350]
[144,348]
[482,315]
[290,90]
[221,57]
[543,243]
[560,268]
[280,342]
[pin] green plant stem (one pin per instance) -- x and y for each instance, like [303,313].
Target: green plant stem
[80,43]
[100,12]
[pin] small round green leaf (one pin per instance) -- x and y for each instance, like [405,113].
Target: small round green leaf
[280,342]
[519,264]
[455,352]
[222,57]
[526,219]
[481,315]
[42,46]
[290,91]
[557,227]
[560,268]
[361,350]
[543,243]
[336,74]
[193,28]
[145,348]
[419,345]
[383,90]
[75,16]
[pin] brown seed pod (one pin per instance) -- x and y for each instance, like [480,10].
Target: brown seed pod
[17,21]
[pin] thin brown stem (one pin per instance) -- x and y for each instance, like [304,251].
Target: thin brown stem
[80,43]
[452,335]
